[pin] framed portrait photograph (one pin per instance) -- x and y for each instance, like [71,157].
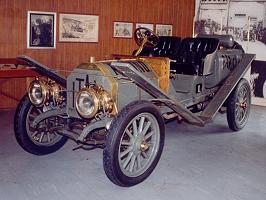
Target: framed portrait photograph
[41,30]
[141,25]
[123,29]
[78,28]
[164,29]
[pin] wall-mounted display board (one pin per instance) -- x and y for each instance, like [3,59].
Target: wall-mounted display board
[246,21]
[164,29]
[78,28]
[41,30]
[123,29]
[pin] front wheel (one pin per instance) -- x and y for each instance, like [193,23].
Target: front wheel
[39,140]
[134,144]
[238,105]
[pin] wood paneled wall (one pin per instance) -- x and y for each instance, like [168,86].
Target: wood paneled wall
[13,21]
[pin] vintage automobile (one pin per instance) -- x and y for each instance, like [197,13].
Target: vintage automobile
[122,105]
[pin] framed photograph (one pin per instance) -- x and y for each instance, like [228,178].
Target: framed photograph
[164,29]
[41,30]
[78,28]
[245,21]
[149,26]
[123,29]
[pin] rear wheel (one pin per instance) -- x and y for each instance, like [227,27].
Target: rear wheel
[134,144]
[38,140]
[238,105]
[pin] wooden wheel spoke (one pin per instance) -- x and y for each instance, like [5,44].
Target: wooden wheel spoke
[144,154]
[129,134]
[125,143]
[147,136]
[135,129]
[34,133]
[41,137]
[125,163]
[125,152]
[132,163]
[139,161]
[141,123]
[147,126]
[48,137]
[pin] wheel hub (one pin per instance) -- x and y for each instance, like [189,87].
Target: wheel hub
[144,146]
[140,145]
[243,105]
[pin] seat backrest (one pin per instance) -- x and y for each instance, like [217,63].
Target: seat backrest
[226,41]
[193,50]
[191,54]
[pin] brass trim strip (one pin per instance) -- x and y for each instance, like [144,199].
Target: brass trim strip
[114,85]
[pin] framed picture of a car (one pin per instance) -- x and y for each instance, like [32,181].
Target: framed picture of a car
[78,28]
[164,29]
[41,30]
[123,29]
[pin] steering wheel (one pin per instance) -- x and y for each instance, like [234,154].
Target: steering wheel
[145,37]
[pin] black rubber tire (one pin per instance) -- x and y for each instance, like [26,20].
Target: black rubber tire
[118,125]
[233,123]
[21,132]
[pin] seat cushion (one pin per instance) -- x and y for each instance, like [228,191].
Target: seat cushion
[187,68]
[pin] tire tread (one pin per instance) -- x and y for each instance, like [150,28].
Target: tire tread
[108,156]
[21,135]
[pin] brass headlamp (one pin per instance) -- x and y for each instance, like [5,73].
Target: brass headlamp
[40,90]
[90,100]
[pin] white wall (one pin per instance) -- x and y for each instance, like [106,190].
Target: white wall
[251,9]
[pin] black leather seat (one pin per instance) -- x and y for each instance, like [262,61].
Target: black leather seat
[188,53]
[167,47]
[191,54]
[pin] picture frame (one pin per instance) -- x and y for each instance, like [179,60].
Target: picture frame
[41,30]
[123,29]
[164,29]
[144,25]
[78,28]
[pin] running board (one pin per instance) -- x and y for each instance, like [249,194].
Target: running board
[213,107]
[126,69]
[43,70]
